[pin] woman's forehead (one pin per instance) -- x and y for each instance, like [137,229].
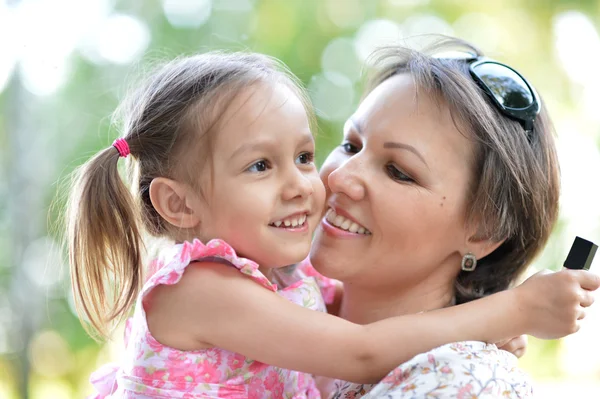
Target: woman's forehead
[397,103]
[398,111]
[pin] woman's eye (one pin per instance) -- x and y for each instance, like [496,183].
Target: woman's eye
[397,174]
[260,166]
[305,158]
[350,148]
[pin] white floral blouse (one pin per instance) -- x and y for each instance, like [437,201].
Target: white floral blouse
[462,370]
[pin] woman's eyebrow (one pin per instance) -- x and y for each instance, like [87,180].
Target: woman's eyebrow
[355,125]
[402,146]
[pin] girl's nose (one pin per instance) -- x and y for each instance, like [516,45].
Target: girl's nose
[298,186]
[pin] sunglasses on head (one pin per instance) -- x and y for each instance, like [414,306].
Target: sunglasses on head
[508,89]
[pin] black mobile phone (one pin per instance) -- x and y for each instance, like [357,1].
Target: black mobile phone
[581,254]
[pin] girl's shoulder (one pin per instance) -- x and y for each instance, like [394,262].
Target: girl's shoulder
[168,268]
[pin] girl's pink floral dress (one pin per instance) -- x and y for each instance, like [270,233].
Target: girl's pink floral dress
[152,370]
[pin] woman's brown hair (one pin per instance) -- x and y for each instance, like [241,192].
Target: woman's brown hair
[515,185]
[172,114]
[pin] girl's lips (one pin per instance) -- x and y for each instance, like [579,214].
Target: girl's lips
[333,231]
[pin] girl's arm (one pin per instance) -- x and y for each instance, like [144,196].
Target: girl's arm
[218,306]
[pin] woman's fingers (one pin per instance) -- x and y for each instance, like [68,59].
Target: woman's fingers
[588,280]
[586,298]
[580,314]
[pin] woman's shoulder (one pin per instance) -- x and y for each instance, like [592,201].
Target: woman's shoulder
[460,369]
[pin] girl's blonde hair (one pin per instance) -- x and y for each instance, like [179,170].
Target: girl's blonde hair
[172,114]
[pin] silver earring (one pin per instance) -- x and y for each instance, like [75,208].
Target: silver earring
[469,262]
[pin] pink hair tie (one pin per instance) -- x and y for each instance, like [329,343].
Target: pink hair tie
[122,146]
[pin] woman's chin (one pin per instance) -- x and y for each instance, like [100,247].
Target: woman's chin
[331,257]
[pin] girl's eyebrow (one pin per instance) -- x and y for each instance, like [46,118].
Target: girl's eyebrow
[254,145]
[266,143]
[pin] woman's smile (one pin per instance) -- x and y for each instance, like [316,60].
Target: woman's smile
[341,224]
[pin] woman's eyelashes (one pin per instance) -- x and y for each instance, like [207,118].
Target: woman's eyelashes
[349,148]
[397,174]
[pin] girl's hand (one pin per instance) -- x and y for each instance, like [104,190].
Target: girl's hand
[517,346]
[554,303]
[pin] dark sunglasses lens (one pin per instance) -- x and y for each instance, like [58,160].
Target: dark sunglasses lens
[509,88]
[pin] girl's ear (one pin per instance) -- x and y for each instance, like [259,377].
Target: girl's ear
[174,202]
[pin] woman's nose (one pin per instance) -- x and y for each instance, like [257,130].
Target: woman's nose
[298,185]
[346,179]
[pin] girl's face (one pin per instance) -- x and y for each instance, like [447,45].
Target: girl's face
[266,197]
[398,182]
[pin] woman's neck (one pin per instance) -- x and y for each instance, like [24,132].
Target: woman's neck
[363,305]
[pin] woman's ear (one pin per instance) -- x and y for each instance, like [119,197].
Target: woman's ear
[478,241]
[174,202]
[482,247]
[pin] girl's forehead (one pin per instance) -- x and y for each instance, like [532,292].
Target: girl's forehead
[263,113]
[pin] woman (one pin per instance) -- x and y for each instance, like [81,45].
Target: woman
[456,193]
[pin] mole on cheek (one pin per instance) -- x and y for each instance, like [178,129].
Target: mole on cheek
[442,203]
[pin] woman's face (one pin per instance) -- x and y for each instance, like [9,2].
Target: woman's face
[401,174]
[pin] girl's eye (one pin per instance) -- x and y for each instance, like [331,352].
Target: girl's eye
[397,174]
[260,166]
[305,158]
[350,148]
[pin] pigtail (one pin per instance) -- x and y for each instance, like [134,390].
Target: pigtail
[104,241]
[168,117]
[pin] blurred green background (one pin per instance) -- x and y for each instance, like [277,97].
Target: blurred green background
[64,64]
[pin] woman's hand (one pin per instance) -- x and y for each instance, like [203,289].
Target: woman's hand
[517,346]
[554,303]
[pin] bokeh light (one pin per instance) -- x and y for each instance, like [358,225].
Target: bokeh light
[64,64]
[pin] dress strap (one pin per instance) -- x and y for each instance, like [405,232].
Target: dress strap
[170,269]
[328,286]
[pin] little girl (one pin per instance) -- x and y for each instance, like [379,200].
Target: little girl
[224,169]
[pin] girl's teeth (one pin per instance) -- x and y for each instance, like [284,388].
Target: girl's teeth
[291,222]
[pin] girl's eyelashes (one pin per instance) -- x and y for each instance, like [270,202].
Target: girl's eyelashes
[397,174]
[349,148]
[305,158]
[259,166]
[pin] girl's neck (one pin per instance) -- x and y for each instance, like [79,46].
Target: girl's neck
[363,305]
